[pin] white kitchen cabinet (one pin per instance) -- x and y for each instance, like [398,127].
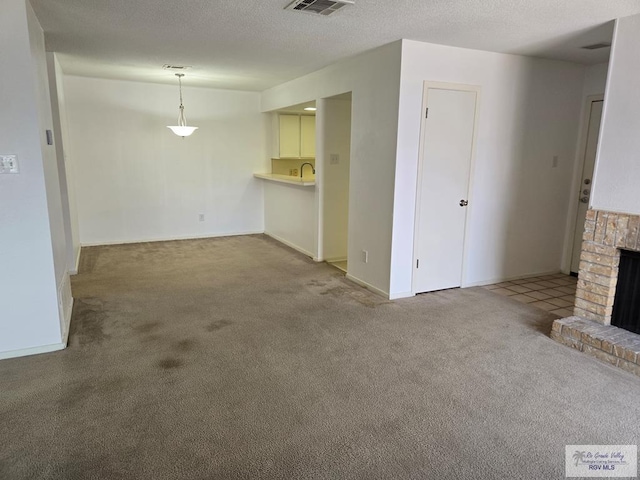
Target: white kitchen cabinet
[297,136]
[307,136]
[289,136]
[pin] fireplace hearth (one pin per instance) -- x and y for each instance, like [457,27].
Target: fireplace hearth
[606,321]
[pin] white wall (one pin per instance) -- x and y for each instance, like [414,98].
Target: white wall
[52,175]
[65,166]
[373,78]
[136,181]
[290,216]
[529,110]
[617,173]
[335,178]
[595,79]
[31,232]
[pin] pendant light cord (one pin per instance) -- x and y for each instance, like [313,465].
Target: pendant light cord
[182,120]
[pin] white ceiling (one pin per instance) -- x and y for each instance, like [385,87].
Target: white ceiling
[255,44]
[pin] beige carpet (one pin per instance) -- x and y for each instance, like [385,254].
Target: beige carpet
[239,358]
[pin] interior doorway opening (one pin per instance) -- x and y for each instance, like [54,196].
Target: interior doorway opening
[589,150]
[336,178]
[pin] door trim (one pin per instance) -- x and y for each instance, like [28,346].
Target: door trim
[572,218]
[416,234]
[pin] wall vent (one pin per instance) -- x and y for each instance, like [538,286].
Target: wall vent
[177,68]
[596,46]
[319,7]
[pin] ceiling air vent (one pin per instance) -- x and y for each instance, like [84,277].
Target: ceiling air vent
[320,7]
[597,46]
[176,68]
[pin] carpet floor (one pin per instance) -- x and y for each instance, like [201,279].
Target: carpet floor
[237,358]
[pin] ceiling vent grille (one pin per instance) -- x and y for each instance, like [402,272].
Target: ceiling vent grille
[597,46]
[319,7]
[176,68]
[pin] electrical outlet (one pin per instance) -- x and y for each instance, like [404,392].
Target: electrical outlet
[201,217]
[294,172]
[334,159]
[365,256]
[9,164]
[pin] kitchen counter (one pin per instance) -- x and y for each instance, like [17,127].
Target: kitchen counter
[303,182]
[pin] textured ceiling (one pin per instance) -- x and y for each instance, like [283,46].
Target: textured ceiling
[255,44]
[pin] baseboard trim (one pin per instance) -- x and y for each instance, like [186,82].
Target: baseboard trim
[67,325]
[292,245]
[508,279]
[76,267]
[23,352]
[366,285]
[335,259]
[171,238]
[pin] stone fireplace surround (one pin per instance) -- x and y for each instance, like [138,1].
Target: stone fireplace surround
[590,329]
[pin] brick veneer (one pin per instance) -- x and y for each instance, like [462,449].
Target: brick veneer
[605,233]
[605,342]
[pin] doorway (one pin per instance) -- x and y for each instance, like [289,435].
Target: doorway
[590,146]
[335,181]
[447,144]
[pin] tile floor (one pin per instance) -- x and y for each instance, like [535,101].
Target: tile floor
[553,293]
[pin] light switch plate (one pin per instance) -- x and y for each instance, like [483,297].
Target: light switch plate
[9,164]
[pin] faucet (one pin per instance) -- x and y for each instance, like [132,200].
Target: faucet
[313,170]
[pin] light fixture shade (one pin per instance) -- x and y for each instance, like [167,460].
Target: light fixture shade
[182,130]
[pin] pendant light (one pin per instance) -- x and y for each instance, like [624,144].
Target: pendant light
[182,130]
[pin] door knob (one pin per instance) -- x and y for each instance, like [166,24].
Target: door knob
[464,203]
